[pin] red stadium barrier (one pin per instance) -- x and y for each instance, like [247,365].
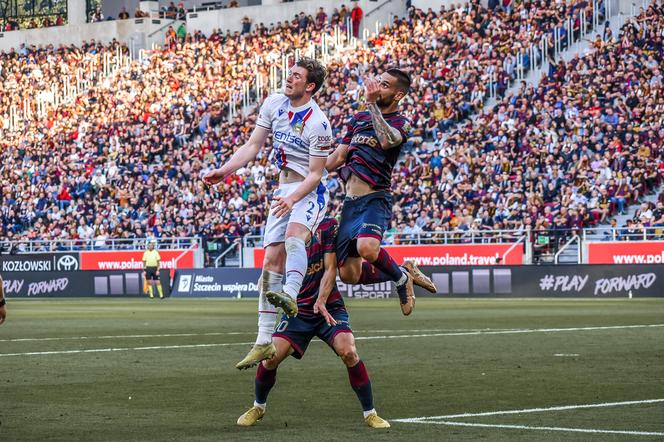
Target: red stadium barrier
[131,260]
[446,254]
[626,252]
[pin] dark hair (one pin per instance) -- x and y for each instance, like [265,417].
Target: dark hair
[403,79]
[316,72]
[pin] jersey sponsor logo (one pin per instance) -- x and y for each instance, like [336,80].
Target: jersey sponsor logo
[281,112]
[314,268]
[324,142]
[286,137]
[365,139]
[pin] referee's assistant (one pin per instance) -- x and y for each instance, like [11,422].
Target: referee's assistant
[151,260]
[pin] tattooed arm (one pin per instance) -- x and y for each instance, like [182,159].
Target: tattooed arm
[387,135]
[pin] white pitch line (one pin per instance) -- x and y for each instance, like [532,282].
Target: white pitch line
[526,427]
[530,410]
[167,335]
[510,332]
[363,338]
[106,350]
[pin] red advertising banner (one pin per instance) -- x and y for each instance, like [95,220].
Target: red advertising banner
[132,260]
[446,254]
[626,252]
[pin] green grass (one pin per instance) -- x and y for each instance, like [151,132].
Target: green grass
[196,393]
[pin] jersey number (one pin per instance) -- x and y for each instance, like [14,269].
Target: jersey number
[310,210]
[283,325]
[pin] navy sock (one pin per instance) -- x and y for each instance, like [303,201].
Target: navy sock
[359,380]
[387,265]
[265,380]
[372,274]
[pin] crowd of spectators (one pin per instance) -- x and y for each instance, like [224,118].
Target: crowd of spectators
[567,154]
[124,159]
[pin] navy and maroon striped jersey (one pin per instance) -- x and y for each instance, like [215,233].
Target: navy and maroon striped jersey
[366,158]
[322,242]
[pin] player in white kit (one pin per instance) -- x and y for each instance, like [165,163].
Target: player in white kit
[302,141]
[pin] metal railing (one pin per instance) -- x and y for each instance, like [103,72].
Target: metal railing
[377,8]
[64,245]
[654,233]
[574,239]
[514,246]
[556,40]
[232,248]
[251,92]
[169,22]
[433,237]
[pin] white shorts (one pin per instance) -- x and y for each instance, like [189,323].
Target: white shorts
[309,211]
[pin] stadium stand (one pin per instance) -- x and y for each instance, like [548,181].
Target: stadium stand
[125,158]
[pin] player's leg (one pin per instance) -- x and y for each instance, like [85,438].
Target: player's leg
[266,376]
[380,266]
[271,279]
[363,221]
[369,248]
[304,219]
[297,238]
[291,337]
[348,259]
[340,338]
[350,271]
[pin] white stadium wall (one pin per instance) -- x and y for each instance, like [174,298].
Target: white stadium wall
[142,33]
[436,4]
[137,33]
[231,19]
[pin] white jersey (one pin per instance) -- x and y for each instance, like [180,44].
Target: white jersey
[298,133]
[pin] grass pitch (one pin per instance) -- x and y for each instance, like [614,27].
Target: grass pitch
[164,370]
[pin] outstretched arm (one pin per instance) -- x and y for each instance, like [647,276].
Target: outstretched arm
[240,158]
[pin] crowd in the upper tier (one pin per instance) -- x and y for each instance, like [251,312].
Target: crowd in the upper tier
[125,158]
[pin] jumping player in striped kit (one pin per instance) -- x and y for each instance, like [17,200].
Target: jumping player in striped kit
[321,313]
[367,154]
[302,140]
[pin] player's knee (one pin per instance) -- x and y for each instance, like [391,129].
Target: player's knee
[274,259]
[348,275]
[271,363]
[294,244]
[368,250]
[349,355]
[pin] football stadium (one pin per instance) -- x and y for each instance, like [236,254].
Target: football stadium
[323,220]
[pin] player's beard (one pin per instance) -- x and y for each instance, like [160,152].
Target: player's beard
[383,102]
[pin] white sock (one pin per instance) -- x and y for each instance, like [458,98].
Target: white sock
[403,278]
[267,313]
[366,413]
[261,406]
[296,265]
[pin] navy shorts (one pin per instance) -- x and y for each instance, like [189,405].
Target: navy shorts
[366,216]
[299,331]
